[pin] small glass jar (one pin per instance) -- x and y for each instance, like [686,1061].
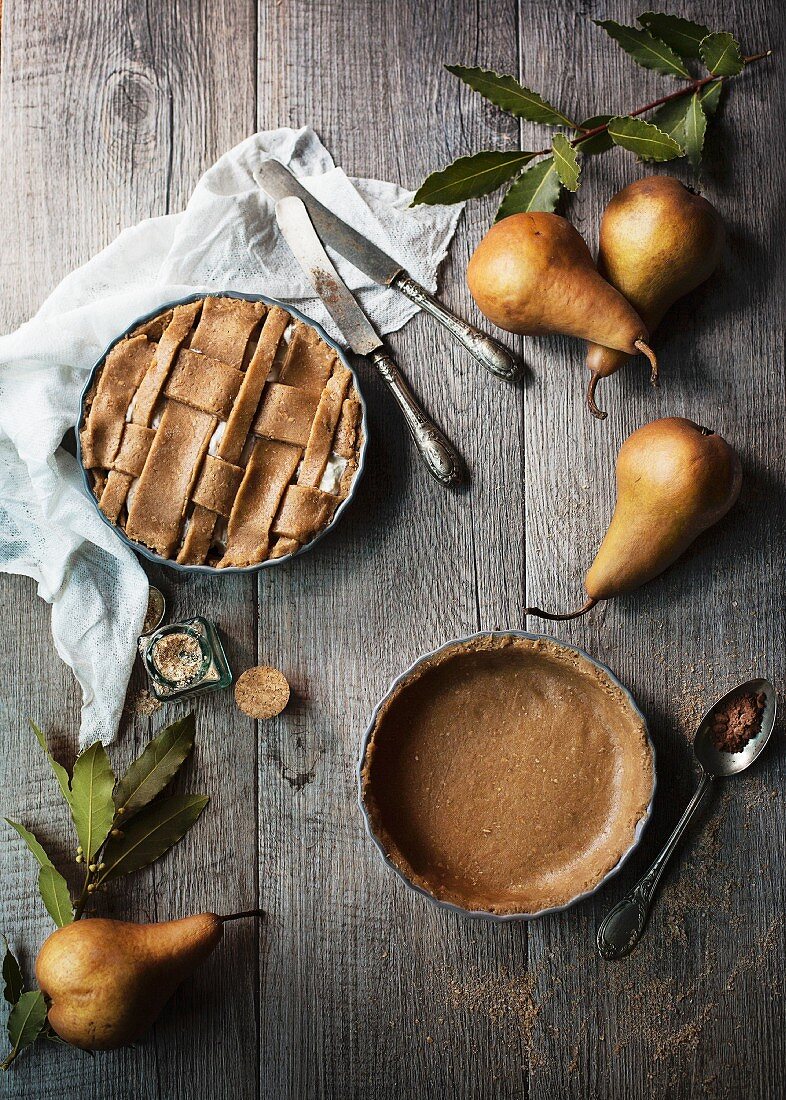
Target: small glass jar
[184,659]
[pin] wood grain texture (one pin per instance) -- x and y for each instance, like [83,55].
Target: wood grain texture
[353,987]
[668,1021]
[115,110]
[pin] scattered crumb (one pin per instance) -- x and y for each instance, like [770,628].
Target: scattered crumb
[499,996]
[142,705]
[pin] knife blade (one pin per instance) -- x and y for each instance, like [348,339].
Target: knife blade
[439,455]
[278,182]
[298,232]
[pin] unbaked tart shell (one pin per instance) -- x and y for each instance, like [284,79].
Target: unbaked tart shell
[507,775]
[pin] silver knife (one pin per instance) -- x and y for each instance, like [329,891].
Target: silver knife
[278,182]
[439,455]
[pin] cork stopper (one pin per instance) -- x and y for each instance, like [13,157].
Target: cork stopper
[262,692]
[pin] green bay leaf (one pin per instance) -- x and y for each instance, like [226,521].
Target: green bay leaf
[566,162]
[721,54]
[537,188]
[599,143]
[506,92]
[670,118]
[53,889]
[156,767]
[645,49]
[13,982]
[644,139]
[470,177]
[61,775]
[153,831]
[34,845]
[710,97]
[25,1023]
[92,805]
[683,35]
[695,129]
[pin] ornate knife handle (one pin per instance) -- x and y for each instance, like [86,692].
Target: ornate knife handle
[490,354]
[440,456]
[622,927]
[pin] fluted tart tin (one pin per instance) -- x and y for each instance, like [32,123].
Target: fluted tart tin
[182,567]
[378,826]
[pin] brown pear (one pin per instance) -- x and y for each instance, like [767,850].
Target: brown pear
[674,480]
[533,274]
[107,980]
[658,242]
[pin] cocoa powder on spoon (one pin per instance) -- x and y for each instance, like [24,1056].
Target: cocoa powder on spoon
[738,721]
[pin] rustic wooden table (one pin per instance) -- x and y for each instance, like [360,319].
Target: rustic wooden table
[353,987]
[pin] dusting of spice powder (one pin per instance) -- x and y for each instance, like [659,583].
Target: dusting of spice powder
[178,657]
[737,721]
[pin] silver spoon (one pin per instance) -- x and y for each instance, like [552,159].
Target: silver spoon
[623,925]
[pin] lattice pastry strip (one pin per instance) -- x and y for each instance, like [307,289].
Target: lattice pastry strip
[156,512]
[309,361]
[179,321]
[269,472]
[304,513]
[225,329]
[199,534]
[123,371]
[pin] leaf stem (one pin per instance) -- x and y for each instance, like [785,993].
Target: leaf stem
[688,89]
[93,878]
[79,908]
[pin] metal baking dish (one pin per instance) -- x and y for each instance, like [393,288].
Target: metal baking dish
[151,555]
[483,914]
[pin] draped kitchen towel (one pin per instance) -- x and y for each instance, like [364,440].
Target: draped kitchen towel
[225,239]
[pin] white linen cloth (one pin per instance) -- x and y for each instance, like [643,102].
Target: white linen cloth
[225,239]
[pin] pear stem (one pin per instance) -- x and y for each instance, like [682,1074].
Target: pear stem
[645,349]
[689,89]
[561,618]
[595,377]
[239,916]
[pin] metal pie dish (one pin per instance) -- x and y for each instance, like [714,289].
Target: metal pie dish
[180,567]
[381,825]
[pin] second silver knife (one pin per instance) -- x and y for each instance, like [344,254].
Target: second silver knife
[437,452]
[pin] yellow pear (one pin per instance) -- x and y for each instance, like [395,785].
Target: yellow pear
[107,980]
[533,274]
[674,480]
[658,242]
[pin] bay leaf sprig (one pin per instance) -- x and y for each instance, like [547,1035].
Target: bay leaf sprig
[677,126]
[121,825]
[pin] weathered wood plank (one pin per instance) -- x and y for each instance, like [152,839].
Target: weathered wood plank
[368,990]
[109,115]
[669,1021]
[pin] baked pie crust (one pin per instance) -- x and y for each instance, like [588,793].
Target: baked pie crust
[507,775]
[222,432]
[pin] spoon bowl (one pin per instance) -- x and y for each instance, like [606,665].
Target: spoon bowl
[719,763]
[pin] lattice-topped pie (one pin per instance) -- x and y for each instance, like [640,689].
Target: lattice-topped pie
[222,432]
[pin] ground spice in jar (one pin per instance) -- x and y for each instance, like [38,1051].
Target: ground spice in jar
[738,721]
[178,658]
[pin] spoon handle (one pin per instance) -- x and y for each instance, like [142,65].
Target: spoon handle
[622,927]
